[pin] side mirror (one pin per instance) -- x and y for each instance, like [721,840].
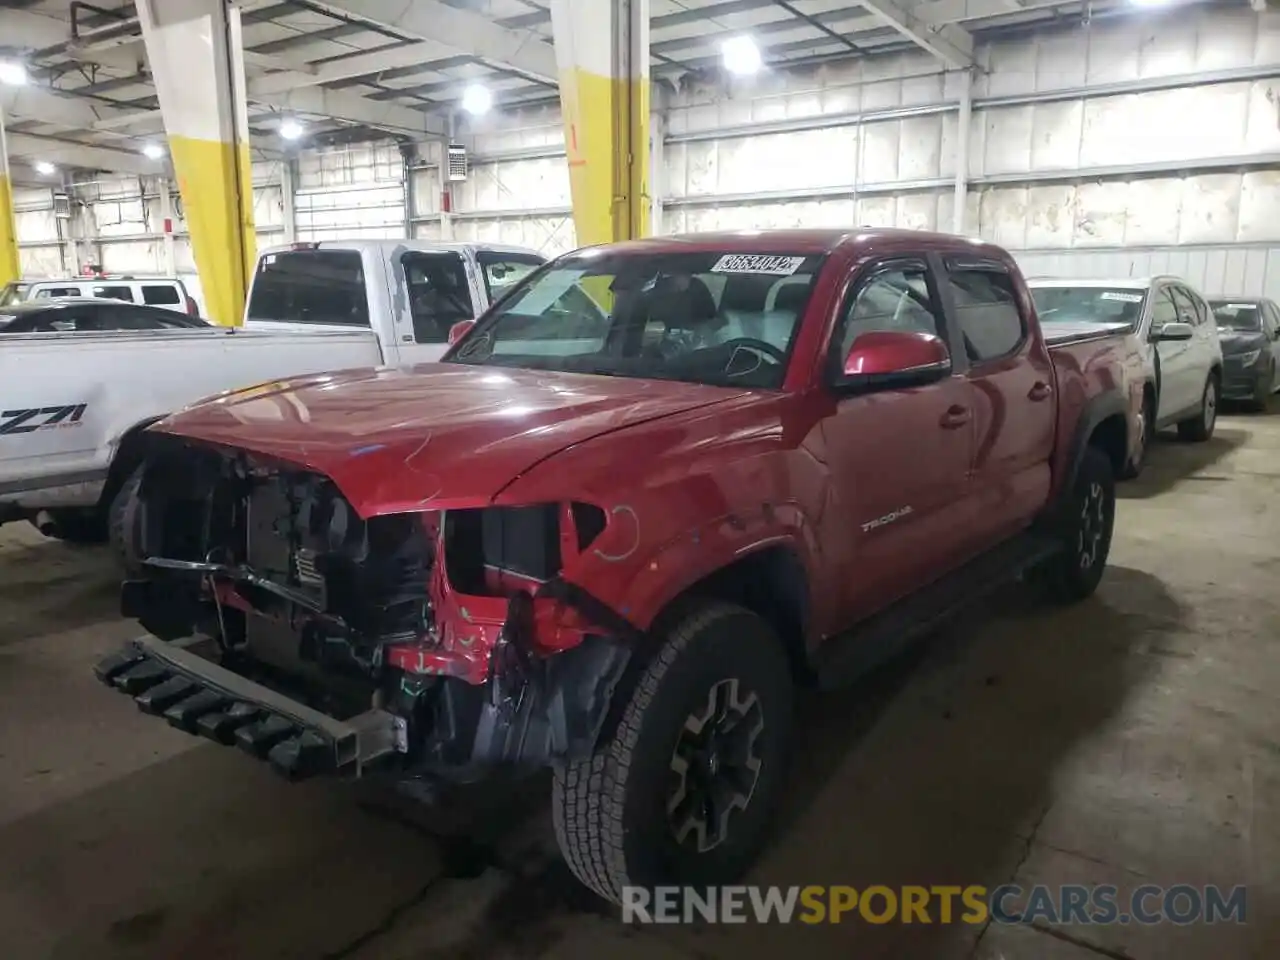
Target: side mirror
[895,358]
[460,330]
[1172,332]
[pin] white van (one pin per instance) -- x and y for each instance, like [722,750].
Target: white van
[169,293]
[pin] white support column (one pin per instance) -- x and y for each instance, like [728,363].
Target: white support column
[961,197]
[288,195]
[166,225]
[657,169]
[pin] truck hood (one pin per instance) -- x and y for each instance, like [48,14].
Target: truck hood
[1240,341]
[433,436]
[1068,331]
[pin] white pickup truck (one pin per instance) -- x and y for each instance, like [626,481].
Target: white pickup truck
[73,404]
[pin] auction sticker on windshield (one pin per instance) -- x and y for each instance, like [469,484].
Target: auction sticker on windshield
[1122,297]
[757,263]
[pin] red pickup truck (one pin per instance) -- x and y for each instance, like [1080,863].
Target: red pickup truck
[650,492]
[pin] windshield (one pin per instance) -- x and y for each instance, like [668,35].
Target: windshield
[1089,304]
[718,318]
[1235,315]
[12,293]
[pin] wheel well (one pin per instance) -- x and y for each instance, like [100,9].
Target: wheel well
[772,584]
[129,453]
[1149,393]
[1111,436]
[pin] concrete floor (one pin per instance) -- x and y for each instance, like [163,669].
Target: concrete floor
[1132,739]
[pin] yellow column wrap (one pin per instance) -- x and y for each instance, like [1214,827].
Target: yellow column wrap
[604,99]
[10,267]
[219,218]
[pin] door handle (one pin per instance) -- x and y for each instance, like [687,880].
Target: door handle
[956,416]
[1039,391]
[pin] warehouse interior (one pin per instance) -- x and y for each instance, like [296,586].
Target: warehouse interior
[1131,740]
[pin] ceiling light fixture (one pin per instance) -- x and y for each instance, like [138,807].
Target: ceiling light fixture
[1150,3]
[152,151]
[45,168]
[13,73]
[741,56]
[477,99]
[291,129]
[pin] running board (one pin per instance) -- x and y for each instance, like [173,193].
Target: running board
[200,697]
[845,658]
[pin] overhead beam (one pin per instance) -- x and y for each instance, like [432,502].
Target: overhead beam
[46,105]
[33,31]
[66,153]
[361,65]
[464,31]
[951,44]
[350,108]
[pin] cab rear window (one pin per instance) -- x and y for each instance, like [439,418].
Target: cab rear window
[310,286]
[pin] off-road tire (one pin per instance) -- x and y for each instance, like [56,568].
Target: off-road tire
[120,513]
[1074,572]
[1199,428]
[1134,467]
[610,810]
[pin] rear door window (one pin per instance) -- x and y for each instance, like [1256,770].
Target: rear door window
[113,292]
[439,296]
[987,312]
[49,293]
[1185,305]
[160,294]
[310,286]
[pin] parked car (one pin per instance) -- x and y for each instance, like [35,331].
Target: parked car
[90,316]
[1249,330]
[75,404]
[169,293]
[615,552]
[1172,327]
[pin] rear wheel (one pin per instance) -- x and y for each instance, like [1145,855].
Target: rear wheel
[1084,530]
[1200,427]
[682,791]
[120,514]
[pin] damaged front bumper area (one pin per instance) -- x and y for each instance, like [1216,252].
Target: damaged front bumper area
[432,645]
[200,697]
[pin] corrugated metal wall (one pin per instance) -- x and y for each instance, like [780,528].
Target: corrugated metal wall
[1142,144]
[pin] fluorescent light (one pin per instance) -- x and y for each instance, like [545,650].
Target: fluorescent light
[291,129]
[1149,3]
[740,55]
[477,99]
[45,168]
[152,151]
[13,73]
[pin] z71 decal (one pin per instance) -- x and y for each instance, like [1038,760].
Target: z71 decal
[41,418]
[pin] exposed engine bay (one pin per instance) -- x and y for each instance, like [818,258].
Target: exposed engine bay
[457,624]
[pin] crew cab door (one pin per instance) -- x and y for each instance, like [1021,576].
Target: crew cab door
[1014,409]
[899,457]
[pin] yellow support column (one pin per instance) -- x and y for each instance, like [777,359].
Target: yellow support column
[195,51]
[602,51]
[9,266]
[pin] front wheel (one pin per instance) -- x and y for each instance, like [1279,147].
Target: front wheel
[1200,427]
[1265,387]
[682,791]
[1084,531]
[1147,429]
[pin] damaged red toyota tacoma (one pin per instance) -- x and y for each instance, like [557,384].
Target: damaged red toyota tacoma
[650,493]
